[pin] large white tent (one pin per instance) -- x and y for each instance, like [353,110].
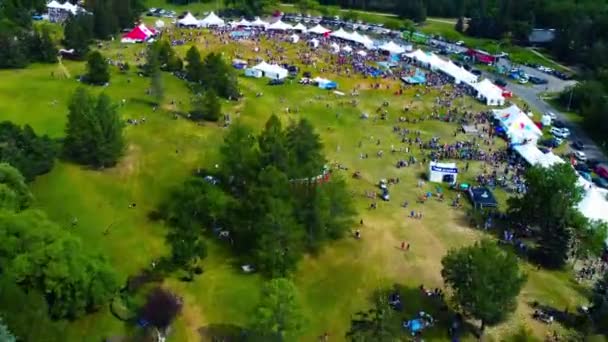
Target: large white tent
[259,22]
[189,21]
[489,93]
[212,20]
[392,47]
[279,26]
[300,27]
[517,125]
[54,4]
[534,156]
[242,23]
[318,30]
[594,205]
[341,34]
[272,71]
[434,62]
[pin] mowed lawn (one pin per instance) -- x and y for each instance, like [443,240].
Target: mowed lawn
[341,280]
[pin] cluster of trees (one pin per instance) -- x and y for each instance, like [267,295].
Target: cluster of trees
[104,19]
[42,263]
[94,132]
[21,42]
[251,7]
[32,155]
[263,199]
[211,73]
[549,208]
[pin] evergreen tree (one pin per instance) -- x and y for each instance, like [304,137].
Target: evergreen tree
[218,76]
[47,49]
[78,33]
[305,150]
[98,72]
[30,154]
[375,324]
[15,195]
[212,106]
[13,51]
[105,21]
[94,130]
[279,317]
[110,141]
[460,25]
[194,65]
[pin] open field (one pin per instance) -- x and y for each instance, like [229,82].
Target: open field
[334,284]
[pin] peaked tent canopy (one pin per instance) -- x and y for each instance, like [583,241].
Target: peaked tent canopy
[488,92]
[300,27]
[279,26]
[393,48]
[347,48]
[259,22]
[294,38]
[138,34]
[188,20]
[517,125]
[212,20]
[319,30]
[243,22]
[54,4]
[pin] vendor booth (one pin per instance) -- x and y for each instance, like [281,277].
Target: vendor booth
[443,172]
[212,20]
[325,83]
[482,198]
[255,73]
[272,71]
[518,127]
[294,38]
[188,21]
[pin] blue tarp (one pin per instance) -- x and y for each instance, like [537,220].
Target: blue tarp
[328,85]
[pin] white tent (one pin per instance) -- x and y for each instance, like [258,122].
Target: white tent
[272,71]
[517,125]
[243,22]
[54,4]
[159,24]
[251,72]
[69,7]
[341,34]
[259,22]
[361,53]
[318,30]
[314,43]
[533,156]
[189,20]
[347,48]
[489,93]
[294,38]
[212,20]
[300,27]
[443,172]
[393,48]
[279,26]
[594,205]
[367,42]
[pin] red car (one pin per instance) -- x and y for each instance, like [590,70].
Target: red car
[602,170]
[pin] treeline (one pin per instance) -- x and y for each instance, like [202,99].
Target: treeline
[266,198]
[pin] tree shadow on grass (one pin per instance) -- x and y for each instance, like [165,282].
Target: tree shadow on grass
[416,301]
[225,333]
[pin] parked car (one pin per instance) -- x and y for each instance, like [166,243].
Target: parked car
[274,82]
[551,115]
[585,175]
[557,124]
[601,182]
[522,80]
[553,142]
[601,170]
[580,155]
[563,133]
[476,72]
[500,82]
[537,80]
[578,145]
[582,167]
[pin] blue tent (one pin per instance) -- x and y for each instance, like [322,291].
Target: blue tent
[415,325]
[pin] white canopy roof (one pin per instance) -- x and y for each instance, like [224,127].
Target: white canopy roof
[362,53]
[448,67]
[294,38]
[347,48]
[54,4]
[159,24]
[594,205]
[300,27]
[189,20]
[392,47]
[517,125]
[212,20]
[341,34]
[531,154]
[259,22]
[335,47]
[243,22]
[489,91]
[280,26]
[319,30]
[271,70]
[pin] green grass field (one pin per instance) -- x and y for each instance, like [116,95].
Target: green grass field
[334,284]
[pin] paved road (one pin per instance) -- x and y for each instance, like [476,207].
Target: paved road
[531,96]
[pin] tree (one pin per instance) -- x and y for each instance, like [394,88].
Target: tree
[279,314]
[5,334]
[305,150]
[98,72]
[44,257]
[94,130]
[376,324]
[42,47]
[15,195]
[251,7]
[212,108]
[549,205]
[78,33]
[239,158]
[485,280]
[599,305]
[194,65]
[160,310]
[460,25]
[273,145]
[305,6]
[32,155]
[218,76]
[105,22]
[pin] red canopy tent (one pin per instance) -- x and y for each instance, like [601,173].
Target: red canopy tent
[139,34]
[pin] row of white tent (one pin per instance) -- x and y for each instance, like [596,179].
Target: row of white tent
[487,91]
[210,20]
[272,71]
[66,6]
